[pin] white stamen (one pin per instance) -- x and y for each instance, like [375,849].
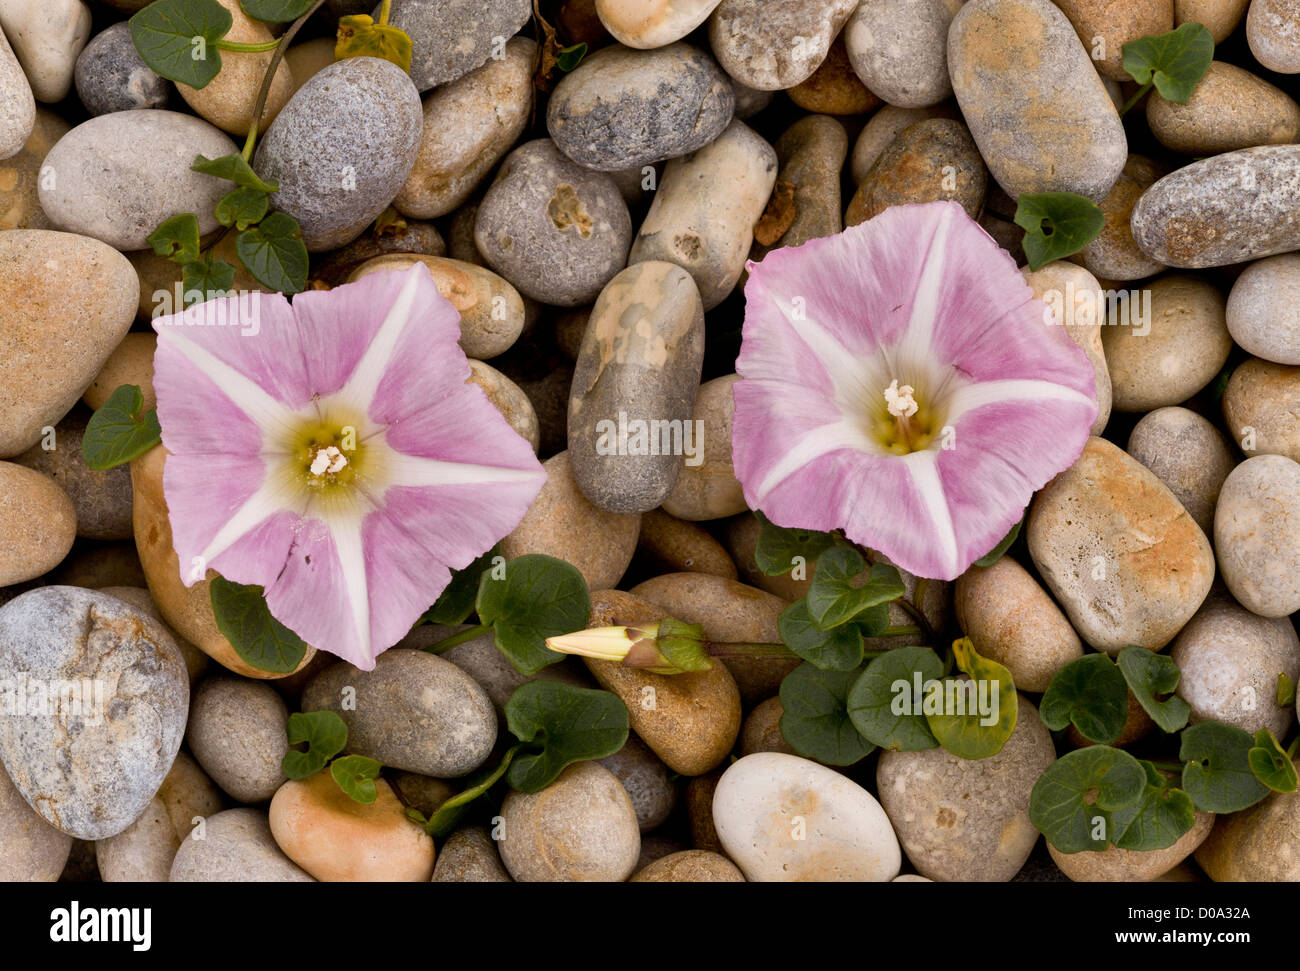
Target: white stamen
[900,401]
[328,460]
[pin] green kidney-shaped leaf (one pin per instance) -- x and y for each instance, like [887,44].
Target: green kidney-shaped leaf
[1158,820]
[243,207]
[1217,774]
[1153,678]
[883,703]
[177,239]
[325,734]
[779,550]
[259,639]
[276,11]
[1175,62]
[539,597]
[999,551]
[117,432]
[565,725]
[456,602]
[978,715]
[835,596]
[815,719]
[274,253]
[356,775]
[837,649]
[1073,800]
[233,168]
[1057,225]
[178,39]
[1269,763]
[1090,693]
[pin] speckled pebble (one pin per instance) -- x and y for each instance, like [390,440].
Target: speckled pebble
[112,76]
[1257,537]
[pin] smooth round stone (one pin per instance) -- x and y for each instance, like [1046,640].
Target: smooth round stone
[1078,304]
[931,161]
[775,46]
[1012,620]
[469,855]
[91,769]
[881,130]
[703,215]
[811,154]
[237,732]
[899,49]
[1255,535]
[1230,661]
[646,780]
[1264,309]
[196,662]
[509,399]
[469,125]
[1230,109]
[1188,454]
[710,490]
[1118,551]
[580,828]
[563,523]
[1219,17]
[623,108]
[414,711]
[672,545]
[1115,865]
[1231,208]
[657,23]
[967,819]
[690,866]
[556,231]
[1256,844]
[634,385]
[1260,405]
[188,795]
[17,106]
[1105,27]
[38,524]
[35,852]
[342,148]
[112,76]
[1273,32]
[65,303]
[102,499]
[47,37]
[20,203]
[237,847]
[1113,255]
[833,88]
[783,818]
[141,853]
[1032,98]
[335,838]
[130,363]
[1175,353]
[450,38]
[761,731]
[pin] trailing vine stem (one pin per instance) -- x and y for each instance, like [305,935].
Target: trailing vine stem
[265,91]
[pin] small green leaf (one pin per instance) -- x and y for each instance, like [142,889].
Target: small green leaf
[276,11]
[780,550]
[565,725]
[456,602]
[259,639]
[1270,764]
[569,58]
[1158,819]
[1218,774]
[1153,678]
[177,239]
[538,597]
[978,715]
[117,432]
[243,208]
[1285,691]
[275,254]
[356,775]
[233,168]
[1090,693]
[883,704]
[1057,225]
[325,734]
[815,718]
[835,596]
[1073,800]
[360,36]
[178,39]
[995,554]
[207,280]
[838,649]
[1175,61]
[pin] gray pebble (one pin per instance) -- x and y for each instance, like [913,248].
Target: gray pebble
[234,846]
[112,76]
[237,733]
[102,498]
[469,856]
[898,49]
[811,153]
[34,851]
[774,46]
[1188,454]
[1255,535]
[450,38]
[646,780]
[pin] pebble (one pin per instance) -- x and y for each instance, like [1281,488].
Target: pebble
[1230,661]
[834,88]
[635,23]
[967,819]
[38,524]
[1114,255]
[469,855]
[1188,454]
[469,125]
[196,662]
[335,838]
[47,37]
[634,386]
[91,770]
[112,76]
[900,49]
[509,399]
[450,38]
[1256,844]
[556,231]
[141,853]
[342,148]
[710,490]
[1032,98]
[1012,620]
[1175,352]
[414,711]
[237,847]
[773,47]
[1104,27]
[20,203]
[188,795]
[17,106]
[761,731]
[699,811]
[563,523]
[423,792]
[671,545]
[1273,32]
[811,154]
[646,780]
[1220,17]
[1264,309]
[237,732]
[1115,865]
[1118,551]
[750,101]
[308,58]
[118,177]
[783,818]
[881,130]
[623,109]
[703,215]
[35,852]
[690,866]
[1230,109]
[1230,208]
[102,499]
[1260,404]
[580,828]
[1256,535]
[930,161]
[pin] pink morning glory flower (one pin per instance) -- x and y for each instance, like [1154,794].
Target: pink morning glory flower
[330,451]
[900,382]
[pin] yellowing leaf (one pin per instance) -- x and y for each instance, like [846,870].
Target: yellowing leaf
[982,714]
[360,36]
